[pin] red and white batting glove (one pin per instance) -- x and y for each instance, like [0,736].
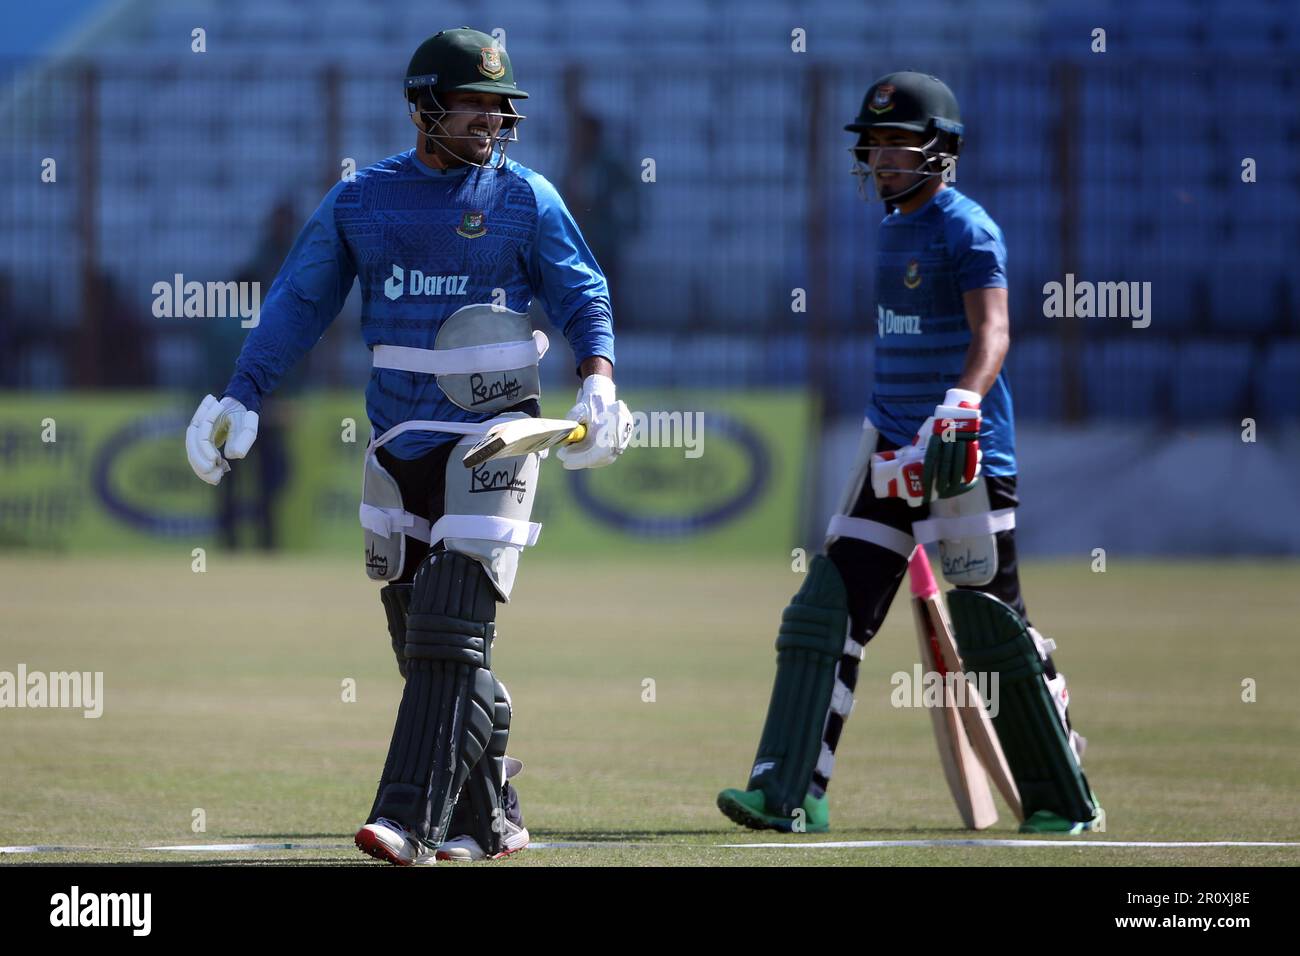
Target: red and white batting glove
[951,439]
[943,459]
[897,474]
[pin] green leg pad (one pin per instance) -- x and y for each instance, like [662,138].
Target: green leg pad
[808,648]
[993,639]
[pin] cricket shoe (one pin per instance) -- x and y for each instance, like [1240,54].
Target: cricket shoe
[390,841]
[465,848]
[461,846]
[749,809]
[1045,821]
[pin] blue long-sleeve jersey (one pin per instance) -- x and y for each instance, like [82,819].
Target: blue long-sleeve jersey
[926,260]
[424,243]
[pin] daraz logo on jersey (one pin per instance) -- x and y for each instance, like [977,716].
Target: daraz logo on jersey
[888,322]
[421,284]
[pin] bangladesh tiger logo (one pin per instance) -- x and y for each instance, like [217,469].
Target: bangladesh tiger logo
[883,100]
[912,277]
[471,225]
[490,63]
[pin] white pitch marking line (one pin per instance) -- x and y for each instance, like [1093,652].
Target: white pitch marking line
[237,847]
[597,844]
[43,849]
[190,848]
[869,844]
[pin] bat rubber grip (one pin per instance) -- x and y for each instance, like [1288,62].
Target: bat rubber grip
[921,575]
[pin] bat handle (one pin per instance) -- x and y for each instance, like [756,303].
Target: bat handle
[577,435]
[922,577]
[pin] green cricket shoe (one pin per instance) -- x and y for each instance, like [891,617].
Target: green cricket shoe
[749,809]
[1045,821]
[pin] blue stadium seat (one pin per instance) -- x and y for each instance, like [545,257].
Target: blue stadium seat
[1176,301]
[671,27]
[42,368]
[721,360]
[1025,302]
[646,359]
[1101,250]
[1211,379]
[1033,370]
[178,361]
[850,368]
[737,293]
[167,29]
[1246,296]
[1126,377]
[1275,385]
[1244,28]
[1108,158]
[786,360]
[660,279]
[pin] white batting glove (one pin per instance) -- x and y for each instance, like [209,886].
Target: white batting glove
[609,426]
[216,423]
[897,474]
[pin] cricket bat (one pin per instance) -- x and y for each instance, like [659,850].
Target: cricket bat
[522,436]
[966,778]
[979,732]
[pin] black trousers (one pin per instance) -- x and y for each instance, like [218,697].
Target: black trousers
[423,484]
[872,575]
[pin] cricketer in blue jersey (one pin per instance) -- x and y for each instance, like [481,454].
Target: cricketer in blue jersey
[399,229]
[928,260]
[449,243]
[936,464]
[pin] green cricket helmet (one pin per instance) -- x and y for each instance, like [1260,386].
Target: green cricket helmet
[910,101]
[462,61]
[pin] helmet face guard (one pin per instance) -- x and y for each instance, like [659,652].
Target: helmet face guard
[935,160]
[435,132]
[915,102]
[462,61]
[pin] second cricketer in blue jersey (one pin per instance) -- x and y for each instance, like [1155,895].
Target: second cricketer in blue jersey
[449,243]
[928,259]
[936,464]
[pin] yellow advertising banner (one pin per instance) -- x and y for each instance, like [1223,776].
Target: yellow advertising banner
[707,471]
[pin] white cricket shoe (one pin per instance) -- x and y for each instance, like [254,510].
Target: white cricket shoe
[464,848]
[389,840]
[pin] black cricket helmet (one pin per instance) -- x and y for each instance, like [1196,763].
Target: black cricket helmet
[912,101]
[467,61]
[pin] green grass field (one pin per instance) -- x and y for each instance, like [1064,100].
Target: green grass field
[223,691]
